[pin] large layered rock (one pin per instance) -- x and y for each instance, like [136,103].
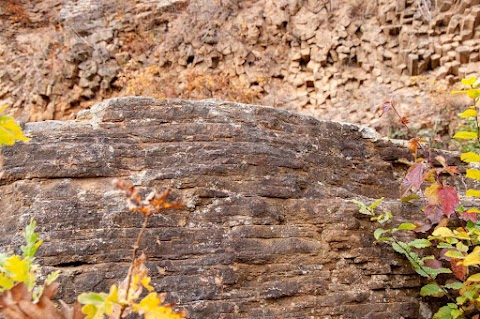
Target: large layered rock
[268,230]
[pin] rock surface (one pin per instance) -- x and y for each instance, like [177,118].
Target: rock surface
[331,59]
[268,231]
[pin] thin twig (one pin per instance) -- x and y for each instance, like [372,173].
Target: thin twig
[134,257]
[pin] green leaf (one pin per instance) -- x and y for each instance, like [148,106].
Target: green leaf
[443,313]
[382,218]
[52,277]
[92,298]
[470,112]
[433,290]
[454,254]
[30,249]
[472,193]
[470,157]
[378,233]
[444,245]
[362,208]
[420,243]
[407,226]
[455,285]
[375,204]
[473,174]
[434,272]
[464,135]
[462,247]
[410,197]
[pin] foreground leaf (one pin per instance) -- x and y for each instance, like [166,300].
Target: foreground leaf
[433,290]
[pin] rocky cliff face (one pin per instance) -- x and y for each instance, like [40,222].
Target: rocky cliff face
[332,59]
[268,231]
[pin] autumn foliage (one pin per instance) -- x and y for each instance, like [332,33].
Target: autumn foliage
[450,229]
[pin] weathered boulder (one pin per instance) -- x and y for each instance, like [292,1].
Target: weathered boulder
[268,231]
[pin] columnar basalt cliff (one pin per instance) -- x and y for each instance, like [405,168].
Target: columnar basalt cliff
[332,59]
[268,229]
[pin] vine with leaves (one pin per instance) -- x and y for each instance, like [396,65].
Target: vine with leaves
[447,253]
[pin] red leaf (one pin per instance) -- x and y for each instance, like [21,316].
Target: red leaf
[434,213]
[449,199]
[414,178]
[469,216]
[404,120]
[460,271]
[433,263]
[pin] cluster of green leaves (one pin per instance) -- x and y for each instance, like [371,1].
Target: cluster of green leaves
[448,252]
[15,269]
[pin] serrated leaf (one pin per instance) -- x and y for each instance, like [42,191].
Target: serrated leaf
[470,112]
[420,243]
[449,199]
[443,232]
[472,193]
[432,290]
[407,226]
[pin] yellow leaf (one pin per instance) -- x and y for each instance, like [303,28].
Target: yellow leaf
[472,93]
[473,258]
[5,282]
[473,174]
[470,157]
[431,194]
[469,81]
[443,232]
[151,307]
[470,112]
[465,135]
[475,278]
[17,268]
[146,283]
[10,131]
[462,235]
[472,193]
[473,210]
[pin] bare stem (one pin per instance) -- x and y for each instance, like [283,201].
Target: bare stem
[134,257]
